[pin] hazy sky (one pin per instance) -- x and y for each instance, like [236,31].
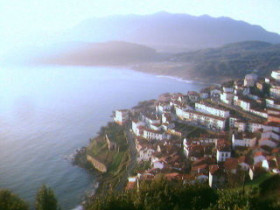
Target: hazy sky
[25,20]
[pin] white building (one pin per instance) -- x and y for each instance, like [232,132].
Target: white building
[243,140]
[211,109]
[259,157]
[223,154]
[275,91]
[259,112]
[137,127]
[272,103]
[150,119]
[243,103]
[144,153]
[240,125]
[269,142]
[227,97]
[250,80]
[210,121]
[121,116]
[271,134]
[155,135]
[276,75]
[163,107]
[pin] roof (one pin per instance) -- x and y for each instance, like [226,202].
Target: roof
[231,163]
[245,135]
[193,93]
[216,106]
[200,167]
[243,159]
[215,170]
[259,153]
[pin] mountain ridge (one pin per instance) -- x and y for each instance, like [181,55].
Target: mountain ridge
[165,30]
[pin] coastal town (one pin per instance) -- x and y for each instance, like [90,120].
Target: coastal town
[223,135]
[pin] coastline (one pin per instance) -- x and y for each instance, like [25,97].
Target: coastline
[179,72]
[179,79]
[116,176]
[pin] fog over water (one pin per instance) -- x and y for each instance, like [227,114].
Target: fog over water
[46,113]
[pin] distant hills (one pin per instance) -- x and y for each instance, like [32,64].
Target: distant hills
[189,47]
[231,61]
[169,32]
[92,54]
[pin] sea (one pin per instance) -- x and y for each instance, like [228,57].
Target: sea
[48,112]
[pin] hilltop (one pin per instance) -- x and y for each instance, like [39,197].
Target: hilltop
[231,61]
[169,32]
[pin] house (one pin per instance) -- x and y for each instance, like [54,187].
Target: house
[275,90]
[166,97]
[243,162]
[211,121]
[150,119]
[204,93]
[163,107]
[274,118]
[271,126]
[269,142]
[193,96]
[211,109]
[272,103]
[156,126]
[270,164]
[240,125]
[273,111]
[155,135]
[259,157]
[121,116]
[215,93]
[223,154]
[243,140]
[271,134]
[200,169]
[250,80]
[255,126]
[193,151]
[232,121]
[276,75]
[216,176]
[158,164]
[223,150]
[260,112]
[228,89]
[145,150]
[256,170]
[243,103]
[227,97]
[137,127]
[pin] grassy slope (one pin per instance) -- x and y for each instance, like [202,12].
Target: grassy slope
[115,160]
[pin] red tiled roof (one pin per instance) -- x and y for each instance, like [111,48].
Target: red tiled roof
[231,163]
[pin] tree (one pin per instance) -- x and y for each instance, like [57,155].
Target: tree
[45,199]
[9,201]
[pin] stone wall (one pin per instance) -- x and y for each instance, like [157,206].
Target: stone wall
[97,164]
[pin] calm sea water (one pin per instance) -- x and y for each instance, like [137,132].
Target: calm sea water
[46,113]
